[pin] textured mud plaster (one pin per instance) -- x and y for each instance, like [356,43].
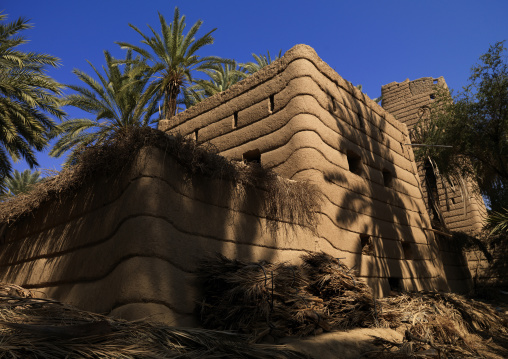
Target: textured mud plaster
[410,102]
[307,123]
[129,245]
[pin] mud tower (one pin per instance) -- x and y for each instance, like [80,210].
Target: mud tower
[449,208]
[410,102]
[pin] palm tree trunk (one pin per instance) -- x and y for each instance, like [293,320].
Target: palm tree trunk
[171,95]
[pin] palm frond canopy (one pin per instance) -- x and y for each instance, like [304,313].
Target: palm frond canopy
[261,61]
[21,182]
[221,78]
[116,100]
[498,222]
[172,58]
[28,98]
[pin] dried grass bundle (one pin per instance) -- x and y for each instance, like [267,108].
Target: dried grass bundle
[445,322]
[263,299]
[260,299]
[349,302]
[39,328]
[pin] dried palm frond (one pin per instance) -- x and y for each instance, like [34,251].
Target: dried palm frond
[283,200]
[349,301]
[42,328]
[261,299]
[258,299]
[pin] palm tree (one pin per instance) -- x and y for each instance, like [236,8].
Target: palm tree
[21,182]
[116,101]
[497,221]
[27,98]
[261,61]
[173,58]
[221,77]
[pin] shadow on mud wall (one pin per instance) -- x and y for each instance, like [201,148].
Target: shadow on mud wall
[388,224]
[488,262]
[133,238]
[51,230]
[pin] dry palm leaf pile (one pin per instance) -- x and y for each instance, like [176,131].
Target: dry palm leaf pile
[264,300]
[41,328]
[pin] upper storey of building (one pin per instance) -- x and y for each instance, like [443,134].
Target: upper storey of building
[410,101]
[298,101]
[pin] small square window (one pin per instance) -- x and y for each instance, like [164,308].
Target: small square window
[394,283]
[366,244]
[387,178]
[252,156]
[407,250]
[354,162]
[361,121]
[432,96]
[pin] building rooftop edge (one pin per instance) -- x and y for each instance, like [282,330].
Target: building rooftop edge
[300,51]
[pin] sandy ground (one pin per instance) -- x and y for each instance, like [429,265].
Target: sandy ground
[357,343]
[343,345]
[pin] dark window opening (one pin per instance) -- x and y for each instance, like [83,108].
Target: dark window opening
[235,120]
[252,156]
[387,178]
[433,196]
[394,283]
[272,103]
[432,96]
[453,200]
[361,121]
[366,243]
[196,134]
[354,162]
[408,250]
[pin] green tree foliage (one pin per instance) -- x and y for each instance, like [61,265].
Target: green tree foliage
[21,182]
[221,78]
[172,58]
[116,101]
[261,61]
[498,221]
[28,98]
[475,123]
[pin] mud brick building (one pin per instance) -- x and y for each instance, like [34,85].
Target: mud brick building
[129,246]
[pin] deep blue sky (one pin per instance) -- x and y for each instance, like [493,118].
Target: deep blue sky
[367,42]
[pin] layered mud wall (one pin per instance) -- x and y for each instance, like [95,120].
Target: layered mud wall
[411,102]
[298,117]
[128,245]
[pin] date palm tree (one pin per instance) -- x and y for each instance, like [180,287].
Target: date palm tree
[28,98]
[115,101]
[172,58]
[221,77]
[261,61]
[21,182]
